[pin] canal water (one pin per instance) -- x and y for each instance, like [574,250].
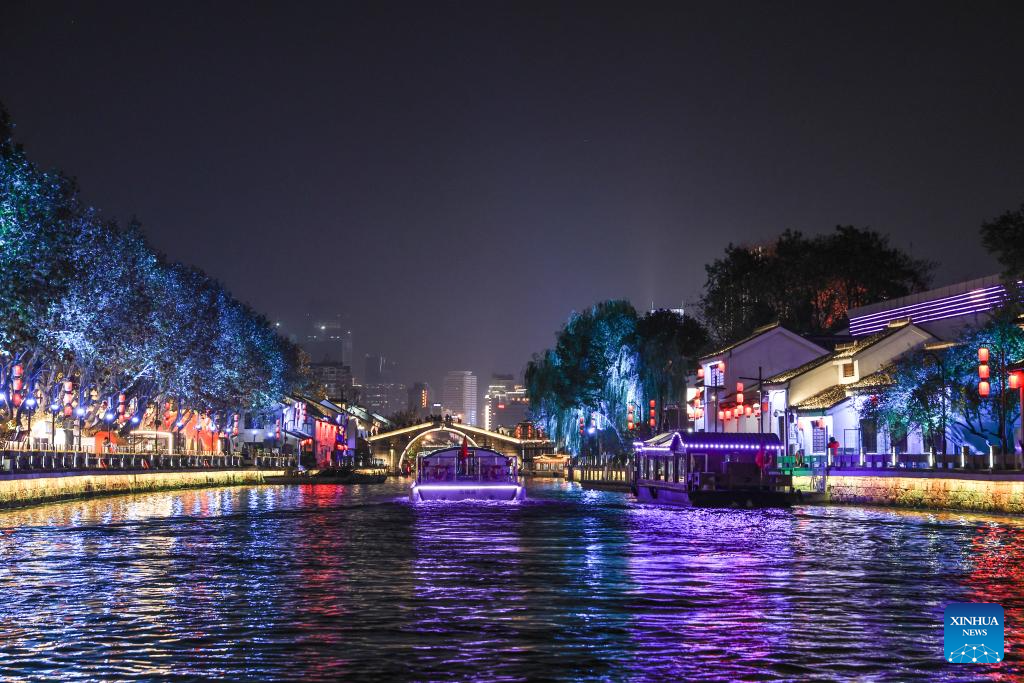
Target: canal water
[322,583]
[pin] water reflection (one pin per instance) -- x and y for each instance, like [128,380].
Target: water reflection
[325,582]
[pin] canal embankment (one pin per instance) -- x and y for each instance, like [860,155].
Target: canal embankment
[30,488]
[968,491]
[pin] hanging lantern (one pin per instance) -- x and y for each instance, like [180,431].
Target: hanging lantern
[747,410]
[721,366]
[652,422]
[1015,380]
[983,388]
[739,397]
[721,415]
[983,355]
[983,371]
[700,373]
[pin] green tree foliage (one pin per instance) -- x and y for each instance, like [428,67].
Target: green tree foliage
[933,390]
[807,283]
[667,345]
[90,301]
[605,359]
[1003,237]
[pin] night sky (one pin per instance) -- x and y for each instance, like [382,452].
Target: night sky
[458,177]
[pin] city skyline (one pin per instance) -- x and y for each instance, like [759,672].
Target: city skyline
[573,170]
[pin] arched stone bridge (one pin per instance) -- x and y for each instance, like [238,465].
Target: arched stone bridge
[395,446]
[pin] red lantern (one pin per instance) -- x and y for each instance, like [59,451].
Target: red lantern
[653,403]
[1014,380]
[721,415]
[721,366]
[747,411]
[983,371]
[739,397]
[982,355]
[653,422]
[983,388]
[700,373]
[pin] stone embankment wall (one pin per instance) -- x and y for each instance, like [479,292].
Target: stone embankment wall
[30,488]
[935,490]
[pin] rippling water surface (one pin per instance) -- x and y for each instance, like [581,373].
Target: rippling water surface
[330,582]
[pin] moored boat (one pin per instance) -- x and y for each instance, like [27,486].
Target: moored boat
[466,474]
[332,475]
[713,470]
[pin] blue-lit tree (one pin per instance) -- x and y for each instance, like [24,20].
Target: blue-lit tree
[88,301]
[605,360]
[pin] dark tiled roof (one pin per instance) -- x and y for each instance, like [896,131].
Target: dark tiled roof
[881,378]
[753,335]
[823,400]
[799,370]
[851,349]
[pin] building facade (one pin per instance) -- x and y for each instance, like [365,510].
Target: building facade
[505,403]
[460,396]
[335,378]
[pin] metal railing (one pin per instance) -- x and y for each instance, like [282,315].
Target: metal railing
[964,461]
[118,459]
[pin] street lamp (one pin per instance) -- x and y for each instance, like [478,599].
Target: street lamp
[31,403]
[80,413]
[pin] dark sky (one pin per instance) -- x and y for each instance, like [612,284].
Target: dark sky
[457,177]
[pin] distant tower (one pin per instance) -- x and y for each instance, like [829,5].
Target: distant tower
[460,395]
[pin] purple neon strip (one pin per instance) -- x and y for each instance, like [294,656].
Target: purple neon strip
[459,487]
[863,328]
[934,306]
[935,312]
[972,295]
[937,309]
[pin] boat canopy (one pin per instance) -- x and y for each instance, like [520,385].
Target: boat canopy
[453,453]
[702,442]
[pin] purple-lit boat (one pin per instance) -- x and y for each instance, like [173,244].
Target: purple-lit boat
[466,474]
[713,470]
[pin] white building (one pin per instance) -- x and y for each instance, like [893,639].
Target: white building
[459,395]
[767,351]
[821,399]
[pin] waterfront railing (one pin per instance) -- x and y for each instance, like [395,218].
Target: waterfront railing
[118,459]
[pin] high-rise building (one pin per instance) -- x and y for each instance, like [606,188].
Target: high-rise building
[335,378]
[420,399]
[378,369]
[380,392]
[330,338]
[384,398]
[460,395]
[505,403]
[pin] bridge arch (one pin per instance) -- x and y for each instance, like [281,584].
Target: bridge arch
[420,437]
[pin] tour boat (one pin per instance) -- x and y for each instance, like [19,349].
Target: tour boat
[714,470]
[466,474]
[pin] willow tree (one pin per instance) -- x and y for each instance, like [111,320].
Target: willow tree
[607,360]
[592,373]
